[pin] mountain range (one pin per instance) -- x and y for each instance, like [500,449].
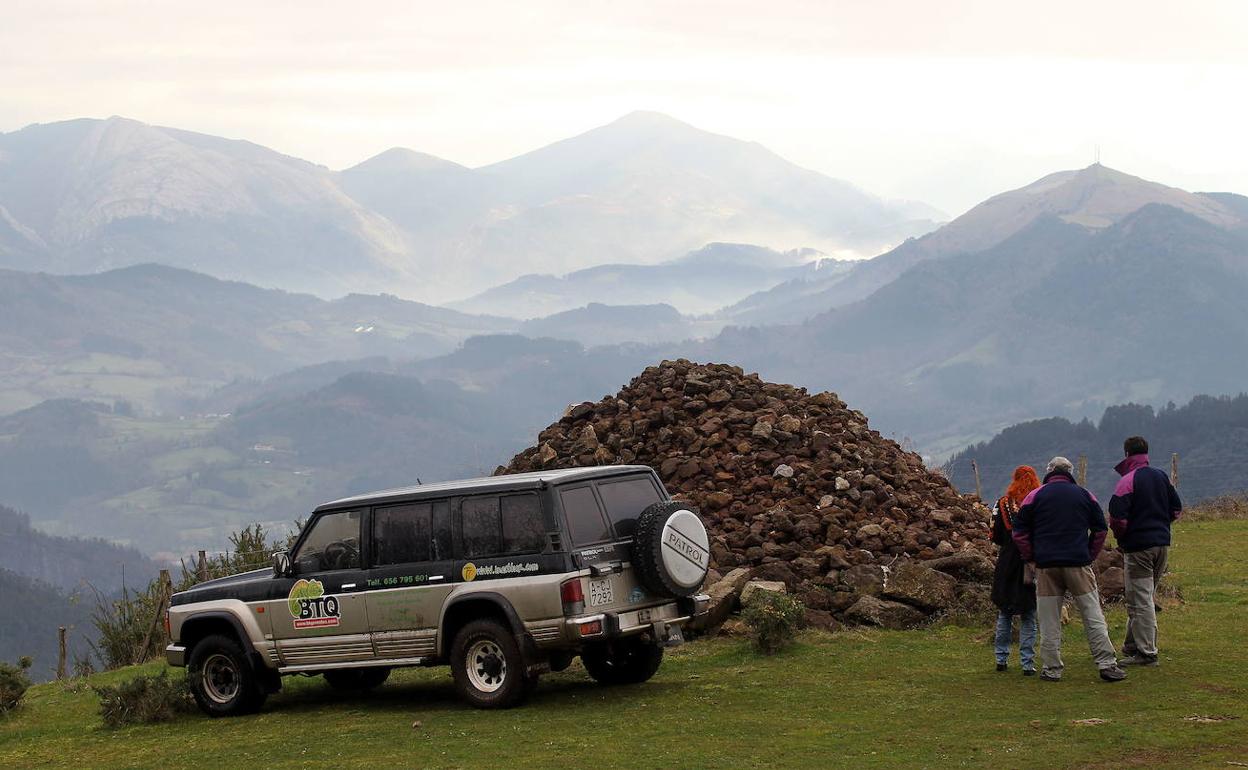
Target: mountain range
[157,336]
[89,195]
[698,283]
[190,405]
[1093,198]
[1066,315]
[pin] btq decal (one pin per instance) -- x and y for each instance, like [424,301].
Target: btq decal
[310,607]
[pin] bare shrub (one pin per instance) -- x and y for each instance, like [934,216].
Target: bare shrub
[1222,508]
[144,699]
[13,683]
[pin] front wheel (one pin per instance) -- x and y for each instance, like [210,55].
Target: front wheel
[622,661]
[487,666]
[222,680]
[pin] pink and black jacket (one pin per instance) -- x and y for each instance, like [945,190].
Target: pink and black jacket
[1143,506]
[1060,524]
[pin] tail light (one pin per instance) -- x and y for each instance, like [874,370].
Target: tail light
[573,596]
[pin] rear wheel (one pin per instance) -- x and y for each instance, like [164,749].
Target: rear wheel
[357,679]
[622,661]
[222,680]
[487,666]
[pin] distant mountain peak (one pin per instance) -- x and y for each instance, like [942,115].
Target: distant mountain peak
[402,158]
[650,119]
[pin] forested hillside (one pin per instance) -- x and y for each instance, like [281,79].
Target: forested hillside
[67,562]
[1210,435]
[32,611]
[48,581]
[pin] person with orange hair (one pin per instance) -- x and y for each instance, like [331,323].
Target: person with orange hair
[1013,583]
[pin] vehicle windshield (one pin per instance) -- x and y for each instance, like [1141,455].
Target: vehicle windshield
[333,543]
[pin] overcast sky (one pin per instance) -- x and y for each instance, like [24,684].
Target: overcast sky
[943,102]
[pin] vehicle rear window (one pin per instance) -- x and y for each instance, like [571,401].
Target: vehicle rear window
[494,526]
[585,522]
[625,500]
[523,529]
[482,533]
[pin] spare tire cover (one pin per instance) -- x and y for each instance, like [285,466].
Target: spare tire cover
[671,550]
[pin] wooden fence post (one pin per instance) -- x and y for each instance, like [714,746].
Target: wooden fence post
[158,619]
[1174,469]
[203,567]
[1083,470]
[60,659]
[979,491]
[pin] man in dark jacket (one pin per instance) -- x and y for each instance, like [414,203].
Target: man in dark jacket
[1060,528]
[1141,511]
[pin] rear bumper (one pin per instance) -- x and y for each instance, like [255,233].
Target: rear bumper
[663,621]
[175,654]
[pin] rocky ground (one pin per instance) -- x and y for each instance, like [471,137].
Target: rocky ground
[794,488]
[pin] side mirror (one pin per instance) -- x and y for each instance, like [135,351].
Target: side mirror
[281,564]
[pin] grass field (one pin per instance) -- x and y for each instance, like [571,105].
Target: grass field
[861,699]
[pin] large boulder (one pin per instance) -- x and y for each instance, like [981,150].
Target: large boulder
[873,611]
[1111,583]
[754,587]
[921,586]
[724,595]
[864,579]
[968,566]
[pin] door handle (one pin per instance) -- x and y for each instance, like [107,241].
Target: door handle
[345,586]
[606,568]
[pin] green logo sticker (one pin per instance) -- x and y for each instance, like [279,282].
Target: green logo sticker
[310,607]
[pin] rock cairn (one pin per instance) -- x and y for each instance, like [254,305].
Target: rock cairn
[793,486]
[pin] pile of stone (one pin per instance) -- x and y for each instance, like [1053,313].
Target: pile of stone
[793,487]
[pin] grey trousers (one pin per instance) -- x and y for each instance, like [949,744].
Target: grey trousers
[1052,583]
[1143,572]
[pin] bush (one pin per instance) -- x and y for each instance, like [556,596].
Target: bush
[774,620]
[13,684]
[144,699]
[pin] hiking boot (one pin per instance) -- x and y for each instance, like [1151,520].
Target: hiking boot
[1001,667]
[1113,674]
[1139,660]
[1045,676]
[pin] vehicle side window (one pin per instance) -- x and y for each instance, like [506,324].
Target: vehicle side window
[441,544]
[625,500]
[523,528]
[332,543]
[402,533]
[585,522]
[480,520]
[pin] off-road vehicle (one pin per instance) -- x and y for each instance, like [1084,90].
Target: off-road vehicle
[503,578]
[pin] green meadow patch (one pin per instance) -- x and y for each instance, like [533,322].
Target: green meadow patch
[861,699]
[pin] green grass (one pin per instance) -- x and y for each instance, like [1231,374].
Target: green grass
[860,699]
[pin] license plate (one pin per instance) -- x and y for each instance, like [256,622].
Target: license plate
[600,593]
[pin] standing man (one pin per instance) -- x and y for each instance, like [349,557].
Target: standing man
[1144,505]
[1060,528]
